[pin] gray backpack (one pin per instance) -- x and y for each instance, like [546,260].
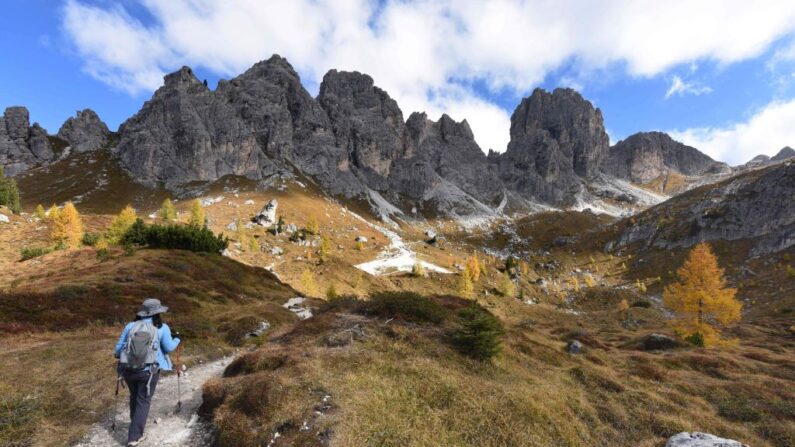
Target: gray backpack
[142,345]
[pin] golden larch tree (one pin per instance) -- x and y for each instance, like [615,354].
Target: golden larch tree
[700,298]
[67,227]
[308,283]
[40,213]
[324,250]
[506,286]
[465,286]
[120,224]
[53,212]
[197,216]
[167,211]
[473,265]
[312,227]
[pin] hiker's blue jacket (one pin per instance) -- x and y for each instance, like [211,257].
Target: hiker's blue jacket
[167,344]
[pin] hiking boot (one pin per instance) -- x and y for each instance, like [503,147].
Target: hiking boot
[138,442]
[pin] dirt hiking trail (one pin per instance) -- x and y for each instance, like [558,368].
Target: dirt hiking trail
[165,426]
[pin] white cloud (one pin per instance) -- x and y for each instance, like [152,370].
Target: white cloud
[680,88]
[415,48]
[766,132]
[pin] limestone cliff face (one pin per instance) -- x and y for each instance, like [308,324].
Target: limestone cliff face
[350,139]
[646,156]
[254,126]
[558,142]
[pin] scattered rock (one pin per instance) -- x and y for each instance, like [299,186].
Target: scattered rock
[698,439]
[267,216]
[232,226]
[207,201]
[4,218]
[361,239]
[277,251]
[294,305]
[345,337]
[654,342]
[261,329]
[561,241]
[248,202]
[574,347]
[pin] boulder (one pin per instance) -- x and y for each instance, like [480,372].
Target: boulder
[653,342]
[698,439]
[4,218]
[574,347]
[267,216]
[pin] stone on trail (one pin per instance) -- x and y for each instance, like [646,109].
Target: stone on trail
[698,439]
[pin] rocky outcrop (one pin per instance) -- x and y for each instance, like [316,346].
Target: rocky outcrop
[252,126]
[366,122]
[756,205]
[440,156]
[22,146]
[267,215]
[558,141]
[698,439]
[350,140]
[646,156]
[84,132]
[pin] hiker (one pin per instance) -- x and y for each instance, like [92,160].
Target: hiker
[142,351]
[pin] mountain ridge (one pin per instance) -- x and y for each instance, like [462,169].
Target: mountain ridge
[353,139]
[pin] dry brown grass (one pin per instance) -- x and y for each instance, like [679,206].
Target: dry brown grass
[60,321]
[403,385]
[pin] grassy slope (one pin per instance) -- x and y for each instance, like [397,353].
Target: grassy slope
[62,316]
[401,384]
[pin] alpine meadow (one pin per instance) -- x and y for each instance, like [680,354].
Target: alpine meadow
[397,223]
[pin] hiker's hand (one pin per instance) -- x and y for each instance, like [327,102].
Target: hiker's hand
[176,334]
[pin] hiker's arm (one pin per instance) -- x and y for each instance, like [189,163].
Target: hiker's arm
[166,342]
[122,340]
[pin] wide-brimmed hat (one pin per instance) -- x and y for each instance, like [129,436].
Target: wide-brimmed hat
[151,306]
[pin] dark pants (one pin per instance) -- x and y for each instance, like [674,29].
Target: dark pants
[139,400]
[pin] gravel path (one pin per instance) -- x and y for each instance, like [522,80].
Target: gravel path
[165,426]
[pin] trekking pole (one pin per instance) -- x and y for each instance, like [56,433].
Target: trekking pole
[115,403]
[179,374]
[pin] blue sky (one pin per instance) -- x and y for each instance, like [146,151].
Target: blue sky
[718,75]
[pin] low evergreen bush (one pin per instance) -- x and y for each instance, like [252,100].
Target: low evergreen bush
[175,237]
[407,306]
[478,333]
[34,252]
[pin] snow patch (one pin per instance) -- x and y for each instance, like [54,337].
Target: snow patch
[397,257]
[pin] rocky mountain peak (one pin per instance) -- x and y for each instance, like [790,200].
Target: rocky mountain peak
[567,118]
[85,131]
[22,146]
[785,153]
[645,156]
[181,79]
[366,122]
